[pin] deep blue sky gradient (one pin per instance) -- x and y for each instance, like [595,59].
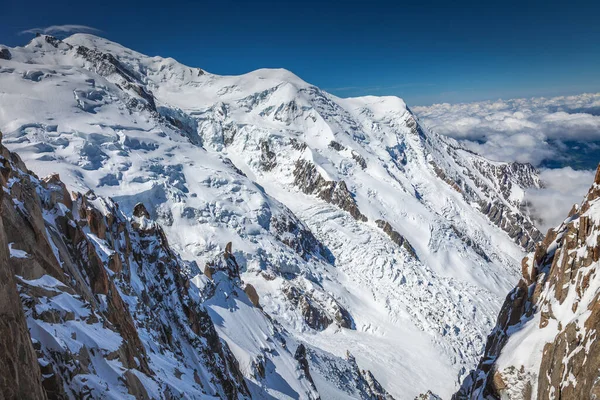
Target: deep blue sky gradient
[423,51]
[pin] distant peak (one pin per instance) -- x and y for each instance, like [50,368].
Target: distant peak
[42,40]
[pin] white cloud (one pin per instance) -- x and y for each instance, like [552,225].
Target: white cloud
[61,29]
[564,187]
[526,130]
[573,126]
[558,132]
[520,147]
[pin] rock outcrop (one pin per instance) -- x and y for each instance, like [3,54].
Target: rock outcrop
[428,396]
[5,54]
[103,301]
[20,375]
[310,181]
[396,237]
[490,185]
[516,225]
[252,295]
[300,356]
[545,343]
[105,64]
[295,234]
[317,310]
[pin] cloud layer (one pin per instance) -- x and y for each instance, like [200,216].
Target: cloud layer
[61,30]
[524,130]
[562,133]
[564,187]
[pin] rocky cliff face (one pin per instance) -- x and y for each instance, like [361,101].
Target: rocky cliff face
[545,342]
[98,305]
[498,189]
[20,375]
[107,302]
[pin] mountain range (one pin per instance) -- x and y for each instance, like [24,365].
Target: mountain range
[172,233]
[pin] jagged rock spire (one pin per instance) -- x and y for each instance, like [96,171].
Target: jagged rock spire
[545,344]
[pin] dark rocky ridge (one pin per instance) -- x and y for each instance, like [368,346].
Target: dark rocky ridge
[57,249]
[561,270]
[521,230]
[20,375]
[106,64]
[496,187]
[516,224]
[316,315]
[396,237]
[5,54]
[486,183]
[310,181]
[291,231]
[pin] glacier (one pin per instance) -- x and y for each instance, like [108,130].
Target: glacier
[368,239]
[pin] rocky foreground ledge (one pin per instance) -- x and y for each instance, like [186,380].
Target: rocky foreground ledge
[96,304]
[545,343]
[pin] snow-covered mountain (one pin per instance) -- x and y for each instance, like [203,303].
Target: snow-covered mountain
[545,342]
[112,312]
[374,243]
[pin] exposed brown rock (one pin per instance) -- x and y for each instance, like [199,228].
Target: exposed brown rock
[442,175]
[20,376]
[62,249]
[300,356]
[490,186]
[396,237]
[135,386]
[316,315]
[560,269]
[289,230]
[522,231]
[360,160]
[59,191]
[313,315]
[114,263]
[209,270]
[308,179]
[140,211]
[268,158]
[252,294]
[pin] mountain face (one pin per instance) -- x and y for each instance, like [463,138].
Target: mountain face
[544,344]
[113,312]
[352,231]
[92,284]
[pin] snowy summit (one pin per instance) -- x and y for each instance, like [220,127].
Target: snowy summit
[252,236]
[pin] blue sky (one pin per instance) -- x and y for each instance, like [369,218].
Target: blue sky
[425,52]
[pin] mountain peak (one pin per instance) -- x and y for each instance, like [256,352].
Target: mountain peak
[357,228]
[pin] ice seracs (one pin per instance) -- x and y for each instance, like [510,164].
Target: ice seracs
[359,230]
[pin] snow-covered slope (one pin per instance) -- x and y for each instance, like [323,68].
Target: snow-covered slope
[112,312]
[359,230]
[108,306]
[545,343]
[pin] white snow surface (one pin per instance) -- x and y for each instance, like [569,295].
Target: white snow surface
[421,322]
[16,253]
